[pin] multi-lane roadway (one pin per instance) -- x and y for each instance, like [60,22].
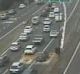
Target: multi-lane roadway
[22,15]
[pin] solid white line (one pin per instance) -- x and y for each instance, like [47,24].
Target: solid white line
[39,9]
[20,24]
[74,54]
[42,51]
[66,20]
[5,71]
[6,50]
[72,11]
[47,45]
[11,31]
[64,27]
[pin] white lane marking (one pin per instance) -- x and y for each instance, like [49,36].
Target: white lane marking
[42,51]
[16,40]
[74,54]
[10,31]
[19,24]
[13,18]
[47,45]
[39,9]
[5,71]
[72,11]
[66,20]
[64,27]
[7,50]
[8,22]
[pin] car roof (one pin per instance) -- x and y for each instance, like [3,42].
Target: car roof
[29,46]
[28,26]
[15,43]
[15,63]
[35,17]
[47,18]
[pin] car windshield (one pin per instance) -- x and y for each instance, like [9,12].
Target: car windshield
[14,67]
[28,49]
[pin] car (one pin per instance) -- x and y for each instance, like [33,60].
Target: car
[11,12]
[35,20]
[16,67]
[28,29]
[15,46]
[51,15]
[3,17]
[30,71]
[21,6]
[30,49]
[37,39]
[46,28]
[47,21]
[58,17]
[4,60]
[43,56]
[56,10]
[23,37]
[54,33]
[61,16]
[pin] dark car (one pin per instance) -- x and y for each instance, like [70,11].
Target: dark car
[4,60]
[42,57]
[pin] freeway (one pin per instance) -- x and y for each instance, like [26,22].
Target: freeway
[13,21]
[37,29]
[10,28]
[72,36]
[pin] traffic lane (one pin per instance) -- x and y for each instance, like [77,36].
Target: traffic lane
[6,29]
[71,37]
[74,67]
[5,42]
[40,48]
[24,10]
[73,23]
[70,6]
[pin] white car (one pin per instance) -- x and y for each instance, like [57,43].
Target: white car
[51,14]
[54,33]
[46,28]
[15,46]
[22,6]
[61,16]
[23,37]
[35,20]
[58,17]
[47,21]
[28,29]
[56,10]
[16,67]
[30,49]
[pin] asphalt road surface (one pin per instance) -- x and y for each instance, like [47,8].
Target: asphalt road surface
[37,29]
[72,37]
[13,21]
